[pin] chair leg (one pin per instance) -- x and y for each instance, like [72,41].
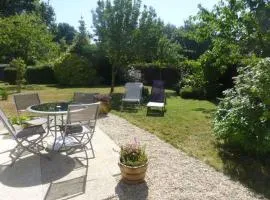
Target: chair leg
[14,159]
[122,105]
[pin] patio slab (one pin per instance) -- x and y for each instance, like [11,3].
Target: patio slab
[63,176]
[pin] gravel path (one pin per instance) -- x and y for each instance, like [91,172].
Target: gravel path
[171,173]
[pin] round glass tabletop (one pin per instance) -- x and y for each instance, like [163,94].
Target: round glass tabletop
[50,108]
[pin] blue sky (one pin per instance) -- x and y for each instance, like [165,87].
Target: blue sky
[170,11]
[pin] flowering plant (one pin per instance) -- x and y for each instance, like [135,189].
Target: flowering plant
[133,154]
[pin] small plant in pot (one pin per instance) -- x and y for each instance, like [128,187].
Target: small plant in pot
[133,162]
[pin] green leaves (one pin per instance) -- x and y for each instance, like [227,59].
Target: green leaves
[242,118]
[27,37]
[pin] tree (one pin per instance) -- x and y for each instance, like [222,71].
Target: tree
[147,36]
[27,37]
[115,24]
[16,7]
[66,32]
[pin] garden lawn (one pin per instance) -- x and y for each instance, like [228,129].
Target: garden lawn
[186,124]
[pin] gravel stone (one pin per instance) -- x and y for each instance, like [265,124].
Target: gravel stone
[171,173]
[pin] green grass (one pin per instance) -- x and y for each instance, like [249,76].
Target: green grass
[187,125]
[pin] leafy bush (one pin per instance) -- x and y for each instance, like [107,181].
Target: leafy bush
[75,70]
[20,67]
[133,154]
[3,93]
[192,83]
[243,116]
[192,93]
[41,75]
[145,94]
[10,75]
[19,120]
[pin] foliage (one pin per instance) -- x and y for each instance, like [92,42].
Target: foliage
[20,67]
[65,32]
[133,154]
[189,92]
[27,37]
[115,25]
[19,120]
[147,36]
[243,116]
[3,93]
[43,74]
[17,7]
[10,75]
[73,69]
[169,52]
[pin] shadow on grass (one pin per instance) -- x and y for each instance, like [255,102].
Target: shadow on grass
[206,111]
[252,171]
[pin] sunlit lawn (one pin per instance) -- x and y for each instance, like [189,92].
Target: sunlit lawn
[186,124]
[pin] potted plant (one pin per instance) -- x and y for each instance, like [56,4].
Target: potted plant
[105,103]
[133,162]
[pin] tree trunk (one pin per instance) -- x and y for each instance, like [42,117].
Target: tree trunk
[113,78]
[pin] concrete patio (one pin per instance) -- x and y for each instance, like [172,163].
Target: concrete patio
[62,177]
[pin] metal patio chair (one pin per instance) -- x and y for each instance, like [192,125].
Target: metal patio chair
[28,139]
[84,98]
[133,94]
[79,129]
[23,101]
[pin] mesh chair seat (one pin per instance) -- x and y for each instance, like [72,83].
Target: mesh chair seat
[24,138]
[23,101]
[30,131]
[84,98]
[79,128]
[133,93]
[72,129]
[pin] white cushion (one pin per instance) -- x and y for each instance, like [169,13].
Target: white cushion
[155,104]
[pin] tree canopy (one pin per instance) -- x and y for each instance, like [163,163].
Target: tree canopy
[25,36]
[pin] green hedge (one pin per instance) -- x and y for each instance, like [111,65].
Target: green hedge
[75,70]
[192,93]
[40,75]
[10,74]
[33,75]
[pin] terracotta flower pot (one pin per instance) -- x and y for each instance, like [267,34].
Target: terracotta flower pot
[133,175]
[105,107]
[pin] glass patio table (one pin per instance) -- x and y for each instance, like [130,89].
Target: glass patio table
[54,109]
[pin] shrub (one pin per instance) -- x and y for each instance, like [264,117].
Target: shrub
[145,94]
[3,93]
[74,70]
[40,75]
[192,93]
[10,75]
[20,67]
[243,116]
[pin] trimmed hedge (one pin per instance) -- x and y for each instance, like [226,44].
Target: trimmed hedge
[171,76]
[192,93]
[33,75]
[10,74]
[40,75]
